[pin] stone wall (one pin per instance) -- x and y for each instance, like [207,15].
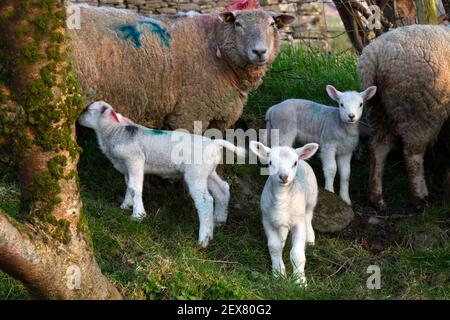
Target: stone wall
[309,26]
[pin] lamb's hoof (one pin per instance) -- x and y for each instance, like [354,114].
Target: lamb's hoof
[138,217]
[301,281]
[219,223]
[125,206]
[421,203]
[204,243]
[311,243]
[378,203]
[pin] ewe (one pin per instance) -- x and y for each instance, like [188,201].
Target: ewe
[165,71]
[411,67]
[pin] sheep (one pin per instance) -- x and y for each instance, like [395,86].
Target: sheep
[335,129]
[411,67]
[135,150]
[168,72]
[287,203]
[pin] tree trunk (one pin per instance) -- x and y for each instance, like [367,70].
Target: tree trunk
[48,247]
[426,12]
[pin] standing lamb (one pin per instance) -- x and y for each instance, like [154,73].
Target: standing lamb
[135,150]
[165,71]
[411,67]
[335,129]
[287,203]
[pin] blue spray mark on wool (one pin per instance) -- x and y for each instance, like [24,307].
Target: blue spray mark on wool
[134,31]
[162,33]
[130,32]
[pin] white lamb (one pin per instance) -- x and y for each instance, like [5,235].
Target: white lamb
[287,203]
[135,150]
[335,129]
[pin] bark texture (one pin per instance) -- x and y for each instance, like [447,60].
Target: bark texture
[48,246]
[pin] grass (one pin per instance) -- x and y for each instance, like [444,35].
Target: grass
[159,259]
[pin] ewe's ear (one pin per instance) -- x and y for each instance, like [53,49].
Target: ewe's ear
[333,93]
[368,93]
[228,17]
[282,19]
[307,151]
[260,150]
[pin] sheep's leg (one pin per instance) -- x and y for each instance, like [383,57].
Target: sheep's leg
[310,236]
[275,244]
[204,204]
[135,185]
[128,201]
[343,162]
[220,190]
[379,150]
[297,254]
[414,167]
[328,157]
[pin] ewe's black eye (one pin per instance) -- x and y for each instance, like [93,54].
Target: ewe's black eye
[341,105]
[272,23]
[360,105]
[237,24]
[295,163]
[270,163]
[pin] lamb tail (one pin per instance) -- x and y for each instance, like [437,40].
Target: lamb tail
[239,151]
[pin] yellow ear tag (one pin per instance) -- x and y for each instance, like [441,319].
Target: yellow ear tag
[279,22]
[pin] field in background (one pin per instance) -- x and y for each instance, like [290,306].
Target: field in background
[159,258]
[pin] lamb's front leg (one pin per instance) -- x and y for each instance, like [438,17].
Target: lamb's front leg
[328,156]
[310,236]
[135,186]
[275,244]
[343,162]
[297,254]
[128,200]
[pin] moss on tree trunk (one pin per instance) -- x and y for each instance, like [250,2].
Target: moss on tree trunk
[39,104]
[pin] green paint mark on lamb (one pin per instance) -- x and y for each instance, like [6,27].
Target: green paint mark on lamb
[155,132]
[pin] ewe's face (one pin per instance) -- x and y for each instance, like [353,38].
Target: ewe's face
[90,116]
[254,34]
[350,102]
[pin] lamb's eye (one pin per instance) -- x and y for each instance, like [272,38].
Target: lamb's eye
[237,24]
[272,24]
[341,105]
[295,164]
[360,105]
[270,163]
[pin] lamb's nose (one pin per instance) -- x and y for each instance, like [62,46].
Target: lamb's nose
[283,178]
[259,52]
[351,116]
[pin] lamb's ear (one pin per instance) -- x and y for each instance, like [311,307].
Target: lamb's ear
[228,17]
[333,93]
[307,151]
[368,93]
[260,150]
[282,19]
